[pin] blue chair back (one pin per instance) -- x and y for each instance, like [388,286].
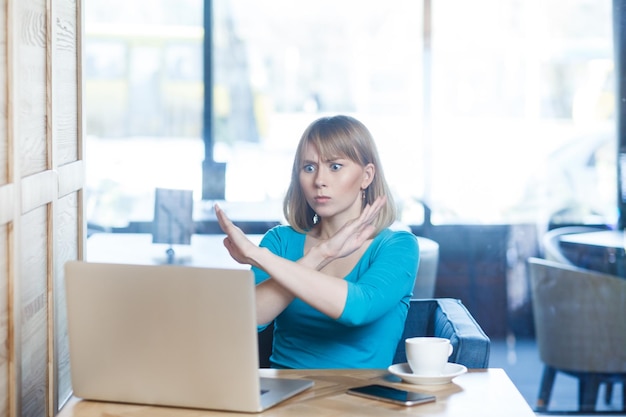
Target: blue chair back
[449,318]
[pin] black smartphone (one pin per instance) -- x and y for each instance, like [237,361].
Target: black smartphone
[392,395]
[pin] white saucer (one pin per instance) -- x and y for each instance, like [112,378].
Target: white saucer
[451,371]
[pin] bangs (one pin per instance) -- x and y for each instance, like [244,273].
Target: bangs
[333,142]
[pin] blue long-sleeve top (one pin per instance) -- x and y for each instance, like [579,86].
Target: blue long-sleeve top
[367,332]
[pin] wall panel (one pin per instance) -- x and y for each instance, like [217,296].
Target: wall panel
[41,181]
[4,141]
[7,204]
[30,78]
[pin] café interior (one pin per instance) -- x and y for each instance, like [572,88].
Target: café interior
[499,123]
[502,129]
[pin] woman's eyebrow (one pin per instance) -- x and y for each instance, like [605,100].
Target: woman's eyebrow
[334,158]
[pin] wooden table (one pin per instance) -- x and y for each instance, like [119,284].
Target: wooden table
[480,393]
[137,248]
[204,250]
[601,251]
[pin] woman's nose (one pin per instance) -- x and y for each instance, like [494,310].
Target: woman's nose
[320,179]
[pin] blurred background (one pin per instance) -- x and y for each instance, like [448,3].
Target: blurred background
[489,112]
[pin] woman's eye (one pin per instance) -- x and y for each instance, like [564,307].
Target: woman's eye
[335,167]
[308,168]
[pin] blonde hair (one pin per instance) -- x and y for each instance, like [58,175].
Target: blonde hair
[332,137]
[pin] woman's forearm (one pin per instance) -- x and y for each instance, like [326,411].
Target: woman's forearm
[300,279]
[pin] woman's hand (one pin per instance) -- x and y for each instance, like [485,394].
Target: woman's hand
[353,234]
[239,246]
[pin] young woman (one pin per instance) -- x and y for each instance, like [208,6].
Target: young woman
[336,281]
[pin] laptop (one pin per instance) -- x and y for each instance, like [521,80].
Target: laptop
[168,335]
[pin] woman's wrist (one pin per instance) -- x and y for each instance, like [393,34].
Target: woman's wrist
[258,255]
[318,257]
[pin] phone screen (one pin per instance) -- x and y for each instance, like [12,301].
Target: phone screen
[390,394]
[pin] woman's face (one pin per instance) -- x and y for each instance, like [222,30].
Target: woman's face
[333,187]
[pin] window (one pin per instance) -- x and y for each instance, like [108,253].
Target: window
[500,112]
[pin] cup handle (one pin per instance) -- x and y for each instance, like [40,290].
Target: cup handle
[450,349]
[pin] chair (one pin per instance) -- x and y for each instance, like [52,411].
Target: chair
[552,251]
[580,328]
[442,317]
[449,318]
[427,272]
[426,277]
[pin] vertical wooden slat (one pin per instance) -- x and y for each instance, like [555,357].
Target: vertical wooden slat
[4,142]
[31,104]
[34,312]
[32,142]
[4,321]
[15,388]
[65,81]
[65,136]
[7,203]
[66,248]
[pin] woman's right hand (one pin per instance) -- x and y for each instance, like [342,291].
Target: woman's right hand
[239,246]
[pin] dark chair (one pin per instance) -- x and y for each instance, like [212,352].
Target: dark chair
[443,317]
[580,328]
[449,318]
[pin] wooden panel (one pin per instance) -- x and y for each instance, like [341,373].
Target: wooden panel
[39,189]
[4,320]
[67,219]
[7,203]
[4,140]
[66,147]
[65,83]
[33,312]
[7,206]
[71,177]
[30,97]
[40,209]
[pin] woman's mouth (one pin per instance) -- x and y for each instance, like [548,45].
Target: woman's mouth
[322,199]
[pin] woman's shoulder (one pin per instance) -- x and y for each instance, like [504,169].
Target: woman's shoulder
[283,230]
[387,235]
[395,240]
[284,241]
[282,233]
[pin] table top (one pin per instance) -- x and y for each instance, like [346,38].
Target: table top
[605,238]
[480,392]
[137,248]
[204,250]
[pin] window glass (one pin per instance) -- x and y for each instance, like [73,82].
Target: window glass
[281,64]
[144,102]
[499,112]
[522,111]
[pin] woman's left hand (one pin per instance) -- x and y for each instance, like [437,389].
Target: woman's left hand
[354,233]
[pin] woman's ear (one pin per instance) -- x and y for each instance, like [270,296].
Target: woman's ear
[368,175]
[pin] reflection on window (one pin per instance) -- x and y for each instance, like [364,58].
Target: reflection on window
[491,117]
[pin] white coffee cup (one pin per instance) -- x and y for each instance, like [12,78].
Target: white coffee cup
[428,355]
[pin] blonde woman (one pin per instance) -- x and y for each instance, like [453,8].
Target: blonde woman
[336,281]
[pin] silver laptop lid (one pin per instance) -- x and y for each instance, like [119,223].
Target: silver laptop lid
[163,335]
